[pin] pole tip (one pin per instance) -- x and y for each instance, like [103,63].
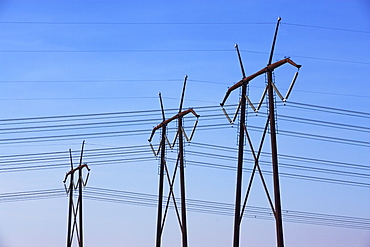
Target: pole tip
[236,46]
[279,18]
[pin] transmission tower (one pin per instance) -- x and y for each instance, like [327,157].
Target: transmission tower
[161,216]
[75,209]
[270,122]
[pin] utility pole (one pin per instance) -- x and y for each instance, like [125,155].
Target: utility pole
[75,210]
[161,177]
[182,220]
[182,171]
[237,216]
[243,130]
[275,170]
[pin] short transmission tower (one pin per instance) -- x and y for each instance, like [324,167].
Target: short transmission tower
[75,209]
[270,88]
[161,216]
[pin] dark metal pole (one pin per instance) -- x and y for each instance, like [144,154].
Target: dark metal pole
[183,94]
[69,244]
[240,60]
[182,185]
[240,168]
[275,170]
[161,177]
[80,196]
[274,41]
[80,206]
[278,218]
[237,216]
[182,172]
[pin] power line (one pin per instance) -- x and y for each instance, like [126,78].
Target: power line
[132,132]
[327,28]
[304,106]
[31,195]
[140,80]
[326,109]
[172,50]
[131,23]
[325,123]
[116,51]
[177,23]
[140,149]
[282,164]
[89,81]
[284,174]
[199,206]
[214,115]
[205,206]
[331,59]
[133,120]
[285,156]
[134,154]
[123,123]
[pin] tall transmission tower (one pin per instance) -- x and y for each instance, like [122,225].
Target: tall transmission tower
[270,122]
[161,216]
[75,209]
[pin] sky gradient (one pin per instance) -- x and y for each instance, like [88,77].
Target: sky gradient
[92,70]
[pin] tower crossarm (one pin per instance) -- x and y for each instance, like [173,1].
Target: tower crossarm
[177,116]
[247,79]
[277,64]
[76,169]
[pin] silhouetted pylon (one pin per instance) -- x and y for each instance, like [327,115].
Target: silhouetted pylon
[181,217]
[75,209]
[270,88]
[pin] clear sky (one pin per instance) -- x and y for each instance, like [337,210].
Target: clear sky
[92,70]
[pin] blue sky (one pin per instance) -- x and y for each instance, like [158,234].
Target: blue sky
[63,61]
